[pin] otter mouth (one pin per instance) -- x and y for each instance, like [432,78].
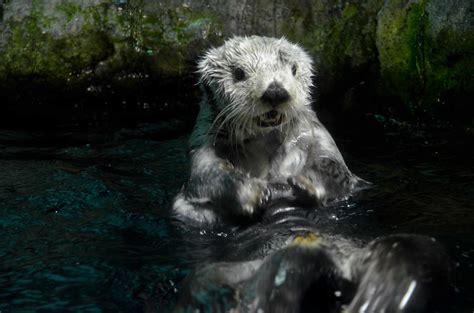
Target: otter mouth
[270,119]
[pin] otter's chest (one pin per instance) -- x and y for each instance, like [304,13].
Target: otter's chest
[270,159]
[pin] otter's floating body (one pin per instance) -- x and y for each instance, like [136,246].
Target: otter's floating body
[257,144]
[256,136]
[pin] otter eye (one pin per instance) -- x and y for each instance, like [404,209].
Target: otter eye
[293,69]
[239,74]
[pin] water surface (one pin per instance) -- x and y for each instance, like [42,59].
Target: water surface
[85,223]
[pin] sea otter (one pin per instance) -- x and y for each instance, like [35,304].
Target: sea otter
[258,147]
[256,137]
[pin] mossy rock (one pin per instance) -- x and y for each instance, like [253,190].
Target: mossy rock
[419,54]
[63,39]
[426,53]
[341,37]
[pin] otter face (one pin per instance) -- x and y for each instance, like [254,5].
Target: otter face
[256,83]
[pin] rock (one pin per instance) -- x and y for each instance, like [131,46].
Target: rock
[425,52]
[60,39]
[374,56]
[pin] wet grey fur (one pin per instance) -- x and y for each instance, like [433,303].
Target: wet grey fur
[238,162]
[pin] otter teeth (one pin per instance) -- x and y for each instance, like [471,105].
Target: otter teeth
[270,119]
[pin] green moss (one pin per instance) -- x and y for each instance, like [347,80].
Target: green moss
[401,51]
[70,9]
[89,48]
[27,50]
[417,65]
[158,41]
[349,11]
[32,51]
[450,60]
[340,36]
[164,37]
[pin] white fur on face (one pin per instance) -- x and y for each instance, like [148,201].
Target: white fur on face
[264,61]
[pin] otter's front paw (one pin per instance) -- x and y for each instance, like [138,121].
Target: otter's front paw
[252,195]
[306,190]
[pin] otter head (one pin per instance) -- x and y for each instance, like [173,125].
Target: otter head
[256,84]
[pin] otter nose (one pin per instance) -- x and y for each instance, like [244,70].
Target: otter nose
[275,94]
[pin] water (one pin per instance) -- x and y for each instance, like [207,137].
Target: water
[85,223]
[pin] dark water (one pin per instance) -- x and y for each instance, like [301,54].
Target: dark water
[85,224]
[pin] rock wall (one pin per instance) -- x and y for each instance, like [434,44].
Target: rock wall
[425,50]
[411,58]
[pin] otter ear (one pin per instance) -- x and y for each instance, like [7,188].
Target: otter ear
[305,64]
[210,66]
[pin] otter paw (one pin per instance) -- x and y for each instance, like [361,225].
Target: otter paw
[253,195]
[305,190]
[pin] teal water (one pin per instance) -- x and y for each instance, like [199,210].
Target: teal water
[85,223]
